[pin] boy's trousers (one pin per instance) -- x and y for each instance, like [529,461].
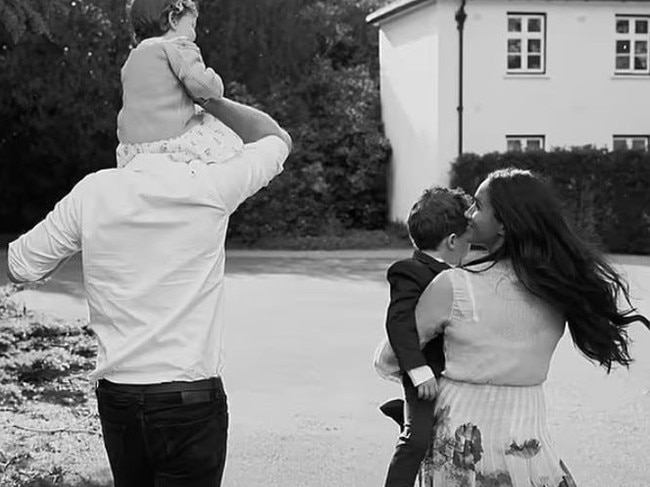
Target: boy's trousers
[414,439]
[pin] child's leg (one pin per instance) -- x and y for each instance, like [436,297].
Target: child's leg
[414,440]
[209,140]
[213,141]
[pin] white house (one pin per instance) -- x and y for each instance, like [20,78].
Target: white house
[535,74]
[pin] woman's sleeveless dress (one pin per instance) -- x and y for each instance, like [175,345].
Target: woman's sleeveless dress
[490,415]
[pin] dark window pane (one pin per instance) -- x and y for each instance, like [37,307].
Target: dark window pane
[533,144]
[534,25]
[620,144]
[641,26]
[514,24]
[534,45]
[641,47]
[514,46]
[535,62]
[622,47]
[514,145]
[514,62]
[622,26]
[622,62]
[641,63]
[639,144]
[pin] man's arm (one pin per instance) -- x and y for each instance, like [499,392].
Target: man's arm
[41,251]
[266,148]
[247,122]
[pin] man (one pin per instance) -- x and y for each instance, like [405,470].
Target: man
[152,240]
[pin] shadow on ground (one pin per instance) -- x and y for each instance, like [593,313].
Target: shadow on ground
[356,268]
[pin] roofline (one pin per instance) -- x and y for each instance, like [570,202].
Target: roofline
[400,6]
[393,9]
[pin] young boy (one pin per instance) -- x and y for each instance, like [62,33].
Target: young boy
[437,227]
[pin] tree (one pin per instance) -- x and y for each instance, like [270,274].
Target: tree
[19,17]
[310,63]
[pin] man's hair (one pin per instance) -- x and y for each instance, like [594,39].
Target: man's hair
[150,18]
[438,213]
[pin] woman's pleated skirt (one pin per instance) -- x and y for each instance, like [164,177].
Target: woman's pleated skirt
[492,436]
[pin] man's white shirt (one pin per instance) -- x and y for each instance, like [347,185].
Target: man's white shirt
[152,236]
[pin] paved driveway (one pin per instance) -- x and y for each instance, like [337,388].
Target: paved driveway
[301,332]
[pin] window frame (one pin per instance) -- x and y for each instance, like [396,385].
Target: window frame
[524,37]
[629,138]
[633,38]
[526,138]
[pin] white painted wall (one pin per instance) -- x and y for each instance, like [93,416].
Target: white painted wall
[408,50]
[419,78]
[578,101]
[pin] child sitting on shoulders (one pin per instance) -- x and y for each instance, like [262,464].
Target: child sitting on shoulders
[165,87]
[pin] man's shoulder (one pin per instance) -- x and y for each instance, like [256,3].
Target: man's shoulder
[93,178]
[270,147]
[101,175]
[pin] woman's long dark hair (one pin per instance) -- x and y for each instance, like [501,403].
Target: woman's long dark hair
[554,263]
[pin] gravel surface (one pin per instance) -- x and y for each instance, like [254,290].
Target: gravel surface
[302,328]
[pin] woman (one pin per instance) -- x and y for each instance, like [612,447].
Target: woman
[502,317]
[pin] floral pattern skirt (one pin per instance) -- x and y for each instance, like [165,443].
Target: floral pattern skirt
[210,141]
[491,436]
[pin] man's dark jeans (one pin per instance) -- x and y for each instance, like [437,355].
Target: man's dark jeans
[165,435]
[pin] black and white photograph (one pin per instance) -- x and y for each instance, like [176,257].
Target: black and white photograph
[324,243]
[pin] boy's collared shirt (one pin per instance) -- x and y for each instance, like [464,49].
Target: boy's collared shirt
[152,236]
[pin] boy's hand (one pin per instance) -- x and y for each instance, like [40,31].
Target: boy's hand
[428,390]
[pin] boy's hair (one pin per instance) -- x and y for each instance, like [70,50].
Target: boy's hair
[150,18]
[438,213]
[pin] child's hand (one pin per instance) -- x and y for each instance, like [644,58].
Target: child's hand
[428,390]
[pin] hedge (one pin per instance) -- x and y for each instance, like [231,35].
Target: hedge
[606,194]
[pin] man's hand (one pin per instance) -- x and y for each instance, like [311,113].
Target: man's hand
[428,390]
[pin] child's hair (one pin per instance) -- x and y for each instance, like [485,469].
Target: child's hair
[438,213]
[150,18]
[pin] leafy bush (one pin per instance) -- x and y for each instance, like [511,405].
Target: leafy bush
[311,64]
[335,178]
[605,193]
[41,357]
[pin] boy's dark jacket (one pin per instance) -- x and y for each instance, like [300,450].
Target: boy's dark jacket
[408,278]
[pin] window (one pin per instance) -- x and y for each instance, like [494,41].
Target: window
[519,143]
[631,142]
[526,43]
[632,45]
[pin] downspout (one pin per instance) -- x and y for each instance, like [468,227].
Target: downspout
[460,24]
